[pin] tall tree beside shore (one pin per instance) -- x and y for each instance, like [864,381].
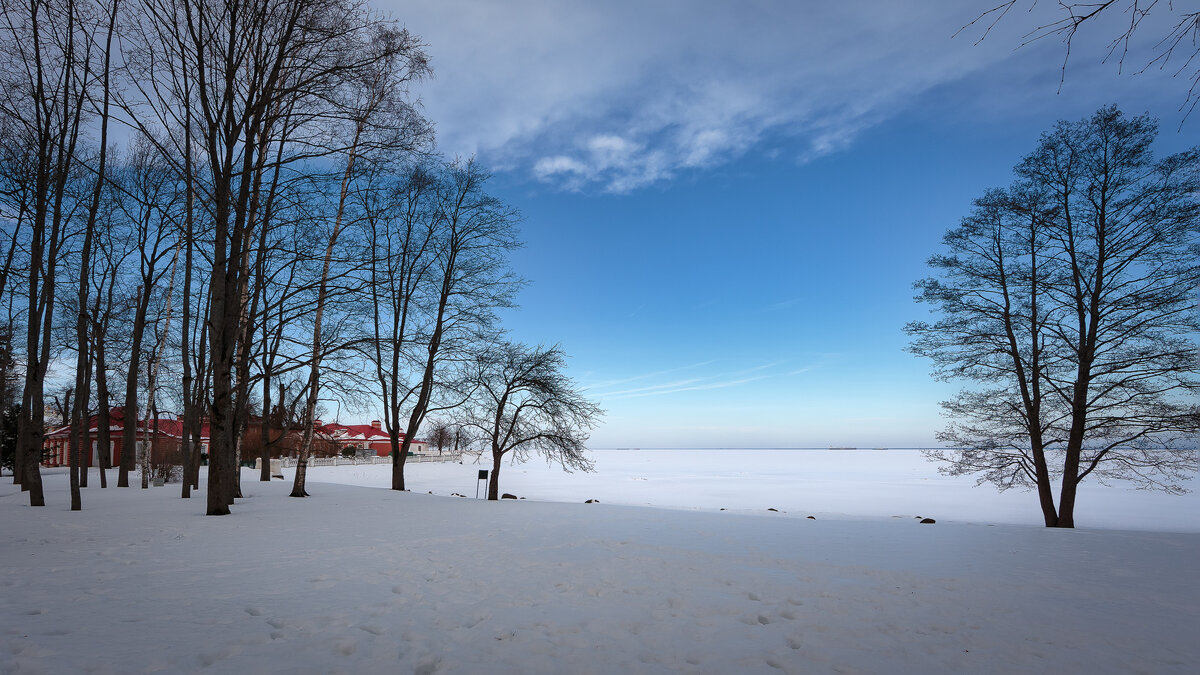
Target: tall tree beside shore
[1072,295]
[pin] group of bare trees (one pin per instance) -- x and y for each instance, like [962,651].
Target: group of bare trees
[1069,300]
[229,207]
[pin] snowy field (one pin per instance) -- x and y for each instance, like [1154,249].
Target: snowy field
[362,580]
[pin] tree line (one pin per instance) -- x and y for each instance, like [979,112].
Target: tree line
[220,208]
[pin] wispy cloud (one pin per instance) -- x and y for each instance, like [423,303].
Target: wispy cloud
[646,376]
[622,94]
[782,304]
[718,380]
[679,388]
[816,361]
[652,390]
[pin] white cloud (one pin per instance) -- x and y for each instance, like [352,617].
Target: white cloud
[549,167]
[624,93]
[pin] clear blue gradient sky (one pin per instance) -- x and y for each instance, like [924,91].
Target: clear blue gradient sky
[726,204]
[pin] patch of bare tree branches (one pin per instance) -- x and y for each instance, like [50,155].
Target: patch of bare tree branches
[1176,39]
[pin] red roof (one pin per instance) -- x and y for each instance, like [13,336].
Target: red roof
[116,417]
[367,431]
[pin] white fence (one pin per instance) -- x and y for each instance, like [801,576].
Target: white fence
[289,462]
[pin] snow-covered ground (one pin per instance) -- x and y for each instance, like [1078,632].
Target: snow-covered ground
[361,580]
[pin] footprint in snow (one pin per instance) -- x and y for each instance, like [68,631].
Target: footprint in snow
[346,646]
[427,667]
[211,656]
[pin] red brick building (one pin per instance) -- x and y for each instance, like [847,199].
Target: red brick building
[330,439]
[170,433]
[369,437]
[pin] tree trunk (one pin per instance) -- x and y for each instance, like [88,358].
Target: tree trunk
[103,435]
[129,432]
[29,443]
[398,458]
[236,492]
[301,474]
[264,473]
[1045,492]
[222,327]
[73,463]
[494,481]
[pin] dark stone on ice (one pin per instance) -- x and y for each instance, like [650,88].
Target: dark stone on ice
[775,510]
[928,521]
[812,517]
[592,501]
[507,496]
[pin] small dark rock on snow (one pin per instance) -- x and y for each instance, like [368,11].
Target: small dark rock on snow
[508,496]
[812,517]
[775,510]
[928,521]
[592,501]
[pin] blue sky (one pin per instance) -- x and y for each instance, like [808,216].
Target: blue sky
[726,204]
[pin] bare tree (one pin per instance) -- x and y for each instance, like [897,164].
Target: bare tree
[441,436]
[156,354]
[149,202]
[1175,39]
[468,281]
[992,331]
[401,227]
[376,103]
[1095,279]
[44,90]
[109,257]
[84,361]
[524,403]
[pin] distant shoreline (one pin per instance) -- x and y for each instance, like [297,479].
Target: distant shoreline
[775,448]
